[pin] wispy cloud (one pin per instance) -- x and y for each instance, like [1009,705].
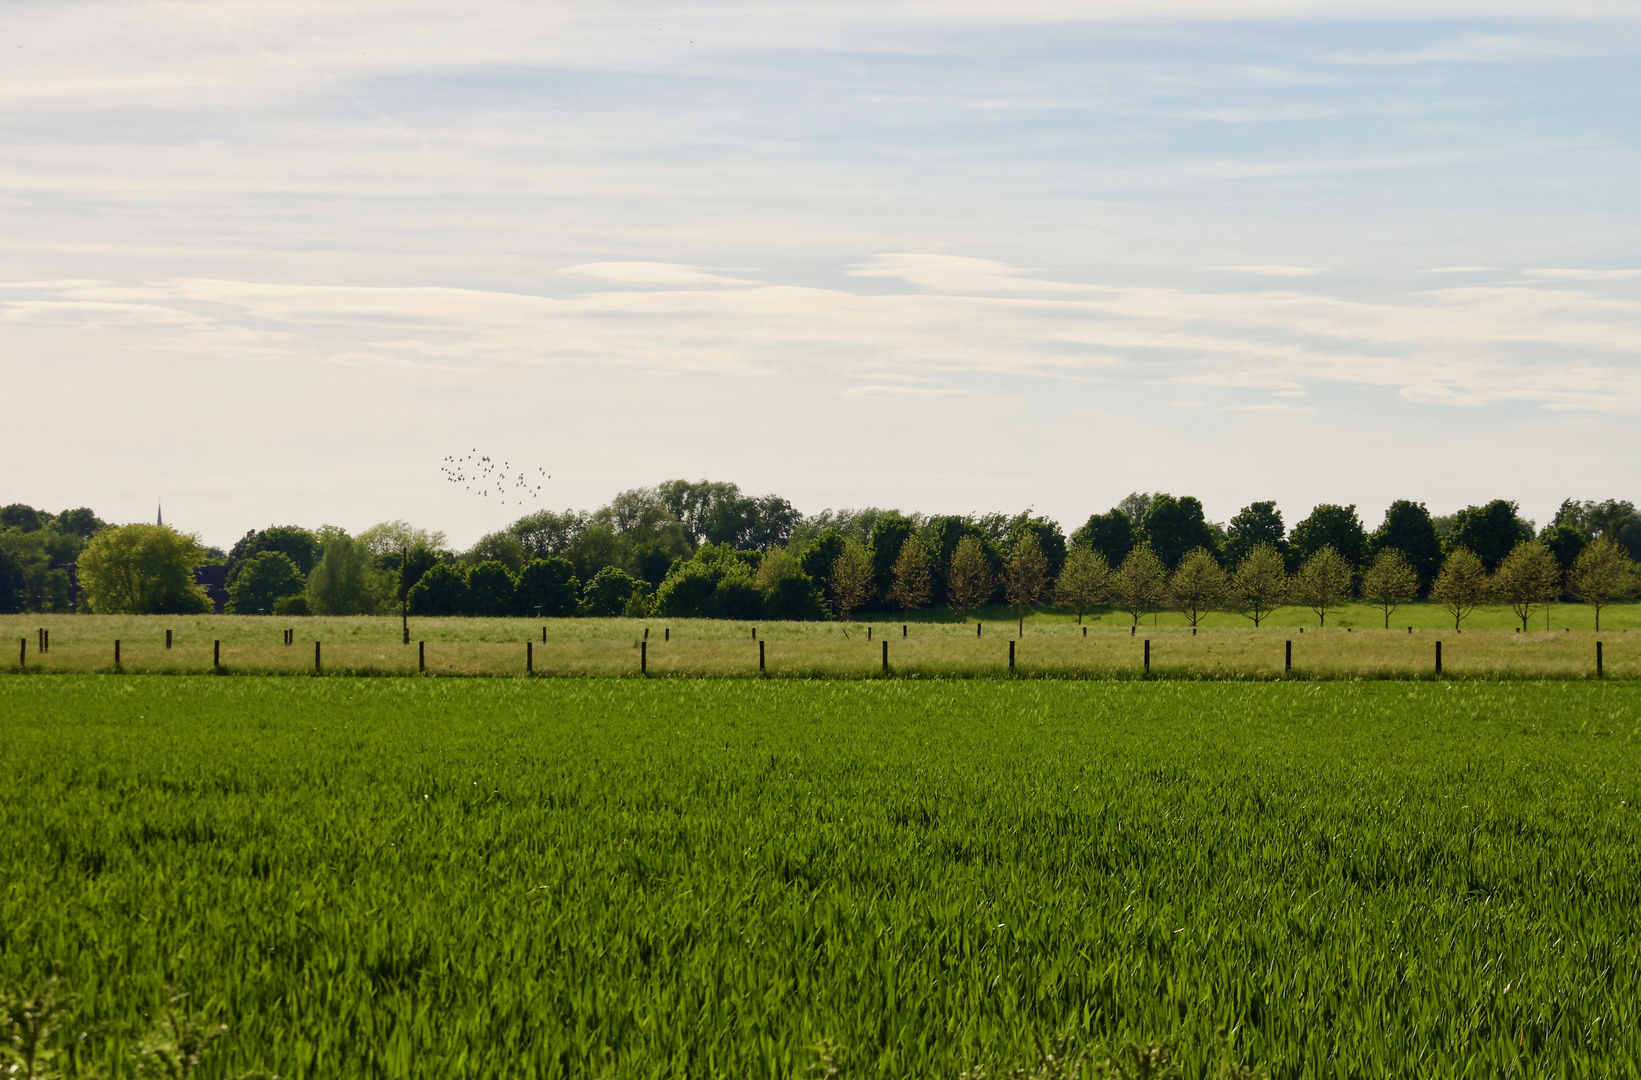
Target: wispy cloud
[1273,270]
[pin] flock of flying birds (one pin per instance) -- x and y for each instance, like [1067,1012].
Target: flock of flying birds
[476,472]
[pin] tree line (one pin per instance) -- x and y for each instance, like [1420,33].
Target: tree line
[687,549]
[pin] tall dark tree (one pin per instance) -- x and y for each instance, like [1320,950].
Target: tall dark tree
[1112,535]
[1255,524]
[1407,528]
[889,532]
[548,586]
[22,516]
[80,522]
[1565,543]
[1175,526]
[1614,519]
[1332,526]
[1490,532]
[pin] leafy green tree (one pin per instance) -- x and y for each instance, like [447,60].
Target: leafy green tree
[911,575]
[1260,584]
[389,538]
[142,570]
[441,591]
[850,583]
[1140,583]
[1602,575]
[1026,579]
[1175,526]
[1462,585]
[1389,582]
[1112,535]
[1323,582]
[1332,526]
[266,578]
[300,545]
[22,517]
[1084,581]
[32,574]
[548,588]
[1527,579]
[340,582]
[606,595]
[1255,524]
[969,580]
[1490,532]
[1197,585]
[502,547]
[889,532]
[1408,528]
[80,522]
[492,591]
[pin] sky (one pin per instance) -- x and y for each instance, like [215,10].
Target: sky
[275,262]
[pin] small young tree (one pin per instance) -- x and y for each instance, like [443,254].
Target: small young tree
[910,588]
[1261,583]
[1527,579]
[1084,580]
[1025,576]
[1140,582]
[1462,585]
[142,570]
[851,579]
[1323,583]
[968,582]
[1390,582]
[1601,575]
[1198,585]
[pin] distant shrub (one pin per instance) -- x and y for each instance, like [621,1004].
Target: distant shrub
[549,588]
[441,591]
[291,605]
[491,590]
[608,592]
[266,578]
[794,597]
[716,584]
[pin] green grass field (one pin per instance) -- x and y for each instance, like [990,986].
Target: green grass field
[707,878]
[1053,645]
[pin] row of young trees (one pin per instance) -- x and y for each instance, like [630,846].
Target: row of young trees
[1527,578]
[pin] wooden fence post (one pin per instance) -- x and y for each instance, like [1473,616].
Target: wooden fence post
[1011,656]
[316,667]
[116,652]
[421,656]
[1598,671]
[760,657]
[168,639]
[1287,663]
[885,658]
[1438,658]
[1148,656]
[22,652]
[529,657]
[216,653]
[643,658]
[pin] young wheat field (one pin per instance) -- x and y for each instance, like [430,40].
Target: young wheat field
[399,877]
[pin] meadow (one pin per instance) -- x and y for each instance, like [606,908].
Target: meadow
[935,645]
[397,877]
